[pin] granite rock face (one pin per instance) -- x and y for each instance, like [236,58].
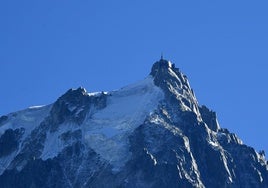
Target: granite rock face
[150,134]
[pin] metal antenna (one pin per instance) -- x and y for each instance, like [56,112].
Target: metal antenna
[161,55]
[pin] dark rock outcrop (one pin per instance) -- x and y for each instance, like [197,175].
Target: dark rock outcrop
[209,117]
[9,141]
[74,105]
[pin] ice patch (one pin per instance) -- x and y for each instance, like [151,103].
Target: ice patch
[107,130]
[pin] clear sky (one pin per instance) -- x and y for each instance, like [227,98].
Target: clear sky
[47,47]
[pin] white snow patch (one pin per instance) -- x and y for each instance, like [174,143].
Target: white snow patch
[96,93]
[35,107]
[214,144]
[169,64]
[260,176]
[151,156]
[226,166]
[172,73]
[186,143]
[107,130]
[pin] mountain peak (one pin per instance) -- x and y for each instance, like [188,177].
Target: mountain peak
[161,66]
[151,133]
[175,86]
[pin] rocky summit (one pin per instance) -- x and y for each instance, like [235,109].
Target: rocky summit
[152,133]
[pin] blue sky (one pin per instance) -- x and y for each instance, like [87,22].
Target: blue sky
[47,47]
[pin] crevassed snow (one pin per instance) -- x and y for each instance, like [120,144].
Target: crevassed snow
[107,130]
